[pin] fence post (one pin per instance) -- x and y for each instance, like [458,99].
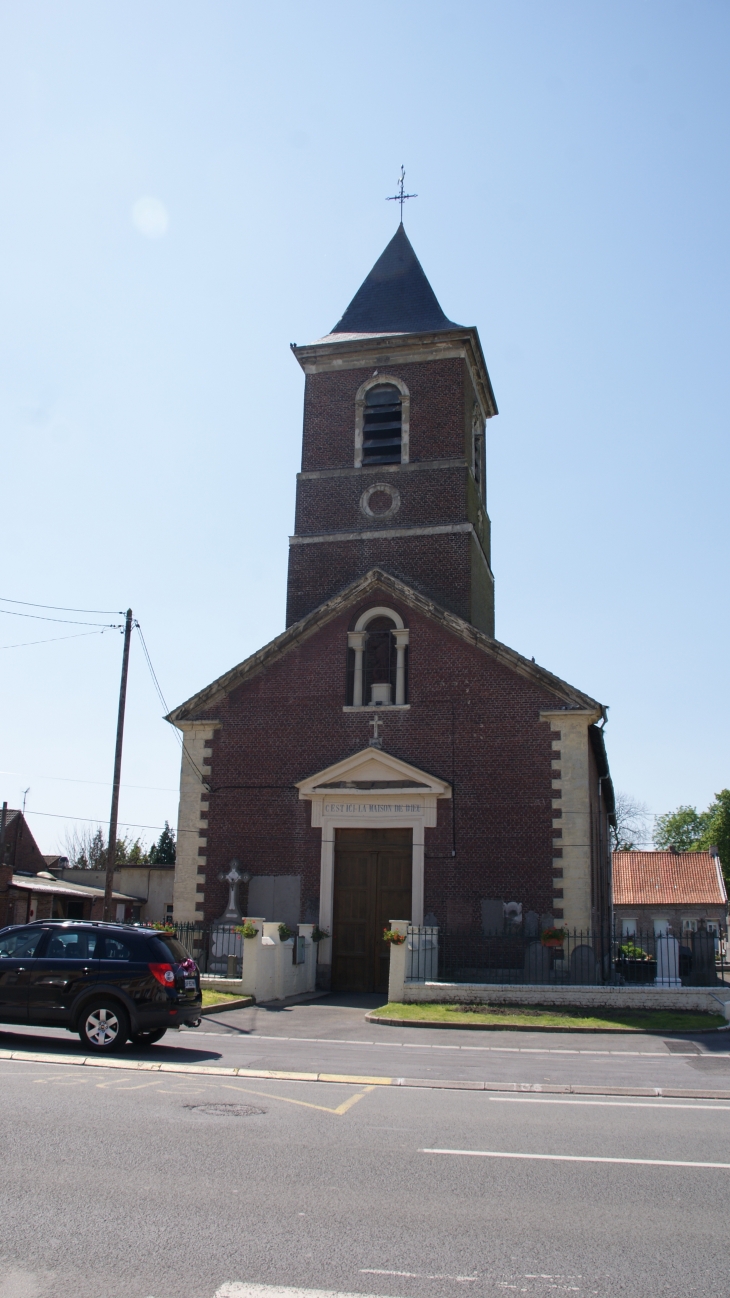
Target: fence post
[397,969]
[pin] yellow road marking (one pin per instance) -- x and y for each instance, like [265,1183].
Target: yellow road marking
[285,1099]
[121,1084]
[61,1081]
[347,1077]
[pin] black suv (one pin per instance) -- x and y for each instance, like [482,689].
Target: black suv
[107,982]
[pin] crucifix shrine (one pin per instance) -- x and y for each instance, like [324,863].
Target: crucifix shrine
[233,877]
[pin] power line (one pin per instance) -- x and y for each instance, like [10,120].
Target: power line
[156,683]
[59,608]
[96,820]
[66,621]
[53,639]
[68,779]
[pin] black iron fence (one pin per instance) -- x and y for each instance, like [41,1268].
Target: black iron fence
[555,956]
[558,956]
[218,948]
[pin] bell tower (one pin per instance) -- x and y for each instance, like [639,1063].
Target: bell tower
[393,457]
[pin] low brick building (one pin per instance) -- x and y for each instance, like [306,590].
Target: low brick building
[668,892]
[30,890]
[385,757]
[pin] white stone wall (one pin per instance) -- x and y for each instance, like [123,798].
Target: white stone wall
[189,864]
[572,800]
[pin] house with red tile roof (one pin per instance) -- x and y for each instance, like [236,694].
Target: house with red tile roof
[669,892]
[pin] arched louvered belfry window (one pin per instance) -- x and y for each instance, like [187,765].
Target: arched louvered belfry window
[382,425]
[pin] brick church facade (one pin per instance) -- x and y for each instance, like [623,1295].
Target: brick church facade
[385,757]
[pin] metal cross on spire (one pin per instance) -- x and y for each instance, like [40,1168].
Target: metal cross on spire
[400,197]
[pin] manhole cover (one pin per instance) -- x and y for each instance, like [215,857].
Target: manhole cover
[226,1110]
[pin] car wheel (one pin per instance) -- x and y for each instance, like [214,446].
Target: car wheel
[104,1026]
[147,1038]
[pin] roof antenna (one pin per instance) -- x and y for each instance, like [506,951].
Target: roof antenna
[400,197]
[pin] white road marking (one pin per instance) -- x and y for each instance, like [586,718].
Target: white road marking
[573,1158]
[615,1104]
[420,1275]
[237,1289]
[425,1045]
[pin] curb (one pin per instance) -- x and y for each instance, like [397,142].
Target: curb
[241,1004]
[347,1079]
[524,1027]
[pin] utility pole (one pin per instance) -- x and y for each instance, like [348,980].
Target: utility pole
[112,847]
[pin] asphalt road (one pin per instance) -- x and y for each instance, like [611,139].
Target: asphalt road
[121,1184]
[118,1184]
[333,1036]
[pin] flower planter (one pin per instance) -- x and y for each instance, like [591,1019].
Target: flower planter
[637,971]
[553,942]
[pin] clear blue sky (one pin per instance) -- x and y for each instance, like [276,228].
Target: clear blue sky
[571,162]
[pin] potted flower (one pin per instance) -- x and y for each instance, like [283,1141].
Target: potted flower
[394,938]
[285,933]
[246,930]
[553,937]
[319,934]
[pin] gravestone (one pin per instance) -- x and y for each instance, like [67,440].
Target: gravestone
[583,966]
[667,962]
[277,896]
[704,972]
[492,918]
[537,963]
[532,924]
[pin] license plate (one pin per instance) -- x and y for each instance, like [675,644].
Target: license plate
[190,984]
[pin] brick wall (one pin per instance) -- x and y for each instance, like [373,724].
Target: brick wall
[472,722]
[438,412]
[449,569]
[439,566]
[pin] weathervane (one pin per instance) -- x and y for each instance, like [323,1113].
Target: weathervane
[400,197]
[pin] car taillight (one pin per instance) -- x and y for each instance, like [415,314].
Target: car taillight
[163,973]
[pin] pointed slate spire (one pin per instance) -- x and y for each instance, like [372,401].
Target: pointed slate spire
[396,297]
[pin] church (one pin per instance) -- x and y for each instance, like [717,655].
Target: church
[385,757]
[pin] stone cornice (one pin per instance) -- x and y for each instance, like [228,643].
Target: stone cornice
[361,351]
[353,471]
[376,579]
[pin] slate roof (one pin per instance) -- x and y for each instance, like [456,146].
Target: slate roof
[395,298]
[667,879]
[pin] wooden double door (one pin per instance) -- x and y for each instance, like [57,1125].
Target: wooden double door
[373,874]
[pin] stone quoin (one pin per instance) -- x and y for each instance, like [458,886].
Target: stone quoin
[385,757]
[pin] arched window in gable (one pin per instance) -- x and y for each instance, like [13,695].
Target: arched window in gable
[378,660]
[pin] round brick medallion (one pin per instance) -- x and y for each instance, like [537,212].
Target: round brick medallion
[380,501]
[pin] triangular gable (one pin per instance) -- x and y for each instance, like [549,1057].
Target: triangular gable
[372,770]
[363,587]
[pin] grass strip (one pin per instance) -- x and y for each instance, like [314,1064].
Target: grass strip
[535,1016]
[211,997]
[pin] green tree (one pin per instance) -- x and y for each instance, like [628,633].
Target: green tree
[717,830]
[682,829]
[163,851]
[690,830]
